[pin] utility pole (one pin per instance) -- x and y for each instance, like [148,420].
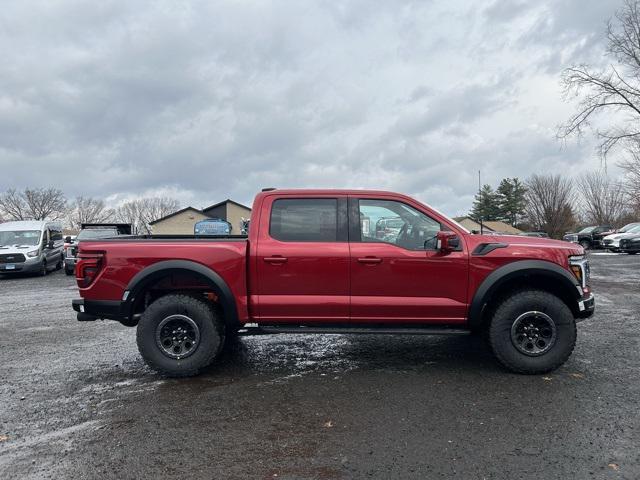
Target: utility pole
[480,200]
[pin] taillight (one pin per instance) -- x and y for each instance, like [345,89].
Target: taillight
[87,268]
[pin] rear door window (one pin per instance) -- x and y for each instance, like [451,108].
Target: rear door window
[304,220]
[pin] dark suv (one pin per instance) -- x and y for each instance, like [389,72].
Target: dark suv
[589,237]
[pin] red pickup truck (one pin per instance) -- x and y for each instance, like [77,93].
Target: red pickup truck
[338,261]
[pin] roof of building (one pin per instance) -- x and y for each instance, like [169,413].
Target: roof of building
[490,225]
[502,227]
[175,213]
[228,200]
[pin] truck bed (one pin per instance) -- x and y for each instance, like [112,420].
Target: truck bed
[218,238]
[124,257]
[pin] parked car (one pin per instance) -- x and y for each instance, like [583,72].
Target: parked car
[309,266]
[90,231]
[612,242]
[30,247]
[535,234]
[630,245]
[589,237]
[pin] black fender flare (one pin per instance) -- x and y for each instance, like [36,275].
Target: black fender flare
[158,270]
[510,272]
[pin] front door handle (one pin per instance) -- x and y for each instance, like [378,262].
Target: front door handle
[275,259]
[370,260]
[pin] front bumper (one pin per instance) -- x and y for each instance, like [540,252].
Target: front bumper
[31,265]
[586,306]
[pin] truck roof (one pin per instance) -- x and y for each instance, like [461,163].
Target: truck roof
[323,191]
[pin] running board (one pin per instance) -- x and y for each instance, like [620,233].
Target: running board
[266,330]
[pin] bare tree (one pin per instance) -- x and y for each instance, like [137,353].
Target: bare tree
[631,184]
[89,210]
[142,211]
[615,90]
[550,200]
[12,205]
[45,203]
[603,200]
[33,204]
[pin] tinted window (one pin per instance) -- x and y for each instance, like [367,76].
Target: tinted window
[304,220]
[397,223]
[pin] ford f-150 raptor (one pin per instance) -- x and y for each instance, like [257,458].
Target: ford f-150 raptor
[313,262]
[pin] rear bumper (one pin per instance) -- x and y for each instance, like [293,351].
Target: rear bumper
[95,309]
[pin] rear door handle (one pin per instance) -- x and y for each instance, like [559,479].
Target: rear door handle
[370,260]
[275,259]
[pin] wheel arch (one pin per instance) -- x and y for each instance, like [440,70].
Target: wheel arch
[538,274]
[152,274]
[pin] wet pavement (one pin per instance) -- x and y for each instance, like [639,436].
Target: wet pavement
[76,400]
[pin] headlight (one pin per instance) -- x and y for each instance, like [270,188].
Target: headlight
[33,253]
[579,265]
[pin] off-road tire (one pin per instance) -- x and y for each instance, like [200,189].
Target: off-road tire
[211,331]
[527,301]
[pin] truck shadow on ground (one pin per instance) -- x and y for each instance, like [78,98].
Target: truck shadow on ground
[337,353]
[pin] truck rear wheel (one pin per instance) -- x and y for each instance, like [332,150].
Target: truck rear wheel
[179,335]
[532,332]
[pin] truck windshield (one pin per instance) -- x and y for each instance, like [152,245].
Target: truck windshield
[91,233]
[20,237]
[587,230]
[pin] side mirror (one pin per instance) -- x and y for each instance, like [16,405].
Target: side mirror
[67,239]
[447,241]
[50,244]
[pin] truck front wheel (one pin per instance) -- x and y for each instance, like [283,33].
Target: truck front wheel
[179,335]
[532,332]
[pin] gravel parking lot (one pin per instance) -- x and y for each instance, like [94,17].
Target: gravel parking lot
[76,400]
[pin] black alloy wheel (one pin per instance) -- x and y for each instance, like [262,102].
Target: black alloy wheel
[533,333]
[177,336]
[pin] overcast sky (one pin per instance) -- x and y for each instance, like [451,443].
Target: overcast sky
[208,100]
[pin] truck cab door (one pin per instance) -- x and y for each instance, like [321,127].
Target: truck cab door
[302,260]
[397,273]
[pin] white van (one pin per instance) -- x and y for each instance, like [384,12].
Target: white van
[30,247]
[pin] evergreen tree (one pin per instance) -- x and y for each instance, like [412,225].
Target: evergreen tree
[486,205]
[511,200]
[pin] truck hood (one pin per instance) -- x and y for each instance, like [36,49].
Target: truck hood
[571,248]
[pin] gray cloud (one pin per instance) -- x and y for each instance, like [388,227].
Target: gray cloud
[205,100]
